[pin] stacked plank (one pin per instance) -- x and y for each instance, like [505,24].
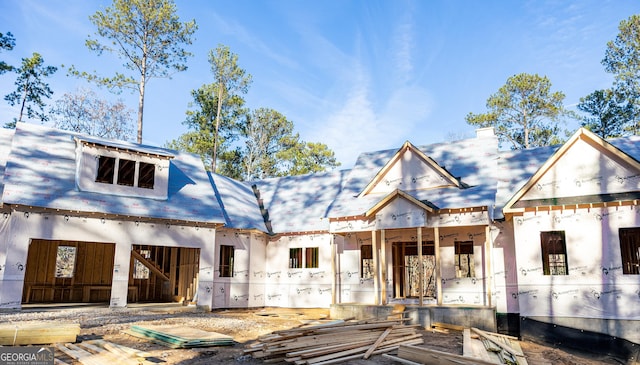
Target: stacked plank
[37,333]
[180,337]
[100,352]
[334,343]
[492,347]
[479,348]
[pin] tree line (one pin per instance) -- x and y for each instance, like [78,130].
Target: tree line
[255,144]
[151,40]
[525,113]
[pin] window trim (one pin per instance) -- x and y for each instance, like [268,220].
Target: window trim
[295,258]
[628,245]
[461,246]
[311,257]
[226,261]
[366,253]
[546,242]
[119,166]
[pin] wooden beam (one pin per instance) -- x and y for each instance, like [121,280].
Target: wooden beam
[420,268]
[377,343]
[383,267]
[436,240]
[488,251]
[333,269]
[149,265]
[376,268]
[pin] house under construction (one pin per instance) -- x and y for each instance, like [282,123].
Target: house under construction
[530,241]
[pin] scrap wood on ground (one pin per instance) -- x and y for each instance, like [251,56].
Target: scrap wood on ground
[334,343]
[100,352]
[479,348]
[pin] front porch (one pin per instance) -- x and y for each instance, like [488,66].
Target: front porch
[482,317]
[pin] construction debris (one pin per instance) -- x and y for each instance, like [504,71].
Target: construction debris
[100,352]
[334,343]
[37,333]
[492,347]
[479,348]
[180,336]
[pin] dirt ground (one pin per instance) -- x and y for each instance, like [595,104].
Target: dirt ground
[244,326]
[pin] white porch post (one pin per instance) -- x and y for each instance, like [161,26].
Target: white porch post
[488,263]
[436,235]
[333,269]
[383,267]
[420,268]
[376,267]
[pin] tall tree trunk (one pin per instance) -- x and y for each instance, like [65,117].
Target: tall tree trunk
[24,101]
[215,137]
[143,81]
[140,108]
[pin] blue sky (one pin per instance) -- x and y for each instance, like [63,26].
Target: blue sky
[356,75]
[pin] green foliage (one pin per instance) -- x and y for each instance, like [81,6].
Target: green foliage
[622,59]
[607,113]
[213,139]
[266,133]
[148,36]
[7,42]
[240,144]
[622,56]
[229,80]
[31,88]
[308,157]
[84,112]
[524,112]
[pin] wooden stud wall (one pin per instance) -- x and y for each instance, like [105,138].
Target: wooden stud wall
[93,268]
[92,278]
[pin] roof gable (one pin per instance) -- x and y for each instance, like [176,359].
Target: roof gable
[585,166]
[410,169]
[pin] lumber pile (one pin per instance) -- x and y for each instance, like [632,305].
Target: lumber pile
[333,343]
[100,352]
[179,337]
[492,347]
[37,333]
[479,348]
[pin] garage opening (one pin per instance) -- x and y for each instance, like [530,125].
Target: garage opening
[68,272]
[82,272]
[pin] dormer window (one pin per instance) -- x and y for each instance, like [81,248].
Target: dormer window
[118,169]
[126,172]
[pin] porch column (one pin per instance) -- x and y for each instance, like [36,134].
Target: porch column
[488,263]
[383,267]
[376,267]
[420,268]
[436,235]
[333,269]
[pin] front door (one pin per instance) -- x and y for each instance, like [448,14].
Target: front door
[407,271]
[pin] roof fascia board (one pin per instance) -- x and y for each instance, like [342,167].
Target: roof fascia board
[140,150]
[393,195]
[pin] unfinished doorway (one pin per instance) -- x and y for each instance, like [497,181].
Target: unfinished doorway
[68,271]
[407,271]
[164,274]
